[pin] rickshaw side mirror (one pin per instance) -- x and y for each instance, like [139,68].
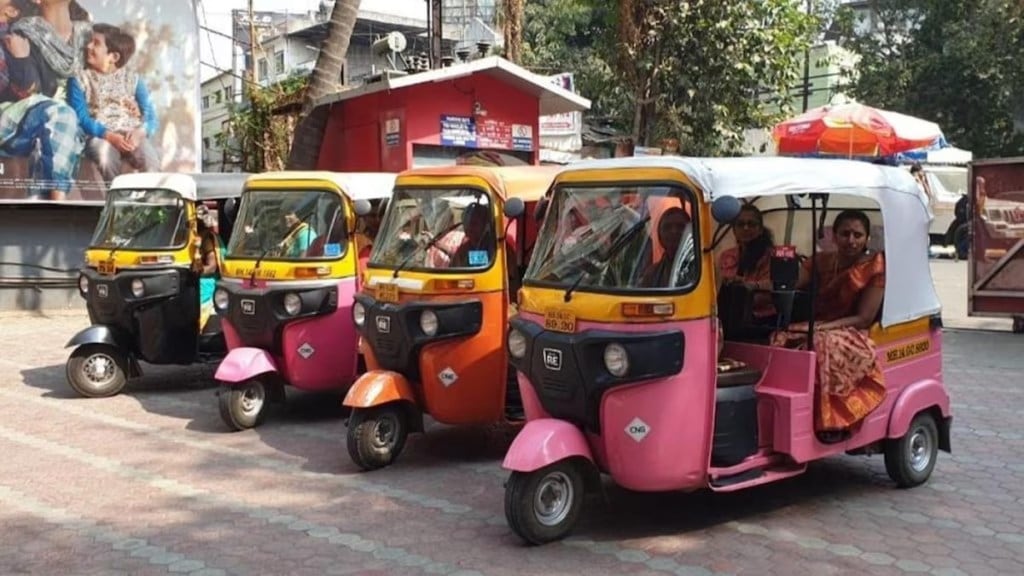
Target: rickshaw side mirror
[362,207]
[725,209]
[785,273]
[514,208]
[231,209]
[541,209]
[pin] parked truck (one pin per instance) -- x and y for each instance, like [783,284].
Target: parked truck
[996,257]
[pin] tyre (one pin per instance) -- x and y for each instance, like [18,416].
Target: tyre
[377,435]
[243,406]
[1018,324]
[909,460]
[543,506]
[97,370]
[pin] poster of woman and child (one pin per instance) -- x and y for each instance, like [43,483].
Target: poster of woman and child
[90,89]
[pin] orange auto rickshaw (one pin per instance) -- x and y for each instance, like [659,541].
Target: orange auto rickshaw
[439,288]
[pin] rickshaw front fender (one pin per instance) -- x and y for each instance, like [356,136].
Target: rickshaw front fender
[378,387]
[921,396]
[95,334]
[543,442]
[242,364]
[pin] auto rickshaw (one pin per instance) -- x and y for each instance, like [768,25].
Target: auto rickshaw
[290,272]
[141,279]
[440,283]
[630,377]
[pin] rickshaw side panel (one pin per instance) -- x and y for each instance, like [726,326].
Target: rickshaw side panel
[656,434]
[320,353]
[544,442]
[475,368]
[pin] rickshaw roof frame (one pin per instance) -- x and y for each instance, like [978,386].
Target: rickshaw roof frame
[910,292]
[195,186]
[528,183]
[356,185]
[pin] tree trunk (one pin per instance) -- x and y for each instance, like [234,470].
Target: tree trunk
[326,79]
[513,29]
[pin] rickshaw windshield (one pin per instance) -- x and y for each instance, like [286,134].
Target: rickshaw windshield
[289,225]
[616,238]
[436,229]
[149,219]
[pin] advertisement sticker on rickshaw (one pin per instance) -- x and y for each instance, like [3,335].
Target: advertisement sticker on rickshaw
[387,293]
[559,321]
[107,267]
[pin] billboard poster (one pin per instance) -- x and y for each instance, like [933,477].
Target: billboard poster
[90,89]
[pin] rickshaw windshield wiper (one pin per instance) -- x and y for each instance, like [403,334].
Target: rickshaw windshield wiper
[256,265]
[613,251]
[433,240]
[131,237]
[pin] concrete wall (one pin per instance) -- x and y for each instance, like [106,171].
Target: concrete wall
[52,236]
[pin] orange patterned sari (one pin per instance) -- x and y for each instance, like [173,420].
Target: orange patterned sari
[850,380]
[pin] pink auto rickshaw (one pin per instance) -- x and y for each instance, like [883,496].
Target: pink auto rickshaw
[634,362]
[287,287]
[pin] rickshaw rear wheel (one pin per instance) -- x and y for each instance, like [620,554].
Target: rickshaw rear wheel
[910,459]
[97,370]
[243,406]
[544,505]
[377,435]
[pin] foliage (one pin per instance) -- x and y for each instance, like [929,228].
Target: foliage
[955,62]
[260,135]
[670,69]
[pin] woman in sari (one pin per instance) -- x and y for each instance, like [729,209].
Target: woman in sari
[749,261]
[851,283]
[211,251]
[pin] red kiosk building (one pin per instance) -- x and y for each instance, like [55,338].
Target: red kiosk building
[485,110]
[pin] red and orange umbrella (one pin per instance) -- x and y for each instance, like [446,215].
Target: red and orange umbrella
[853,130]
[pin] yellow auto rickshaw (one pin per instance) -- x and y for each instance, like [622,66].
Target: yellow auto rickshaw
[144,278]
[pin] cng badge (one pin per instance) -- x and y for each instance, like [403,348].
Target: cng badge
[638,430]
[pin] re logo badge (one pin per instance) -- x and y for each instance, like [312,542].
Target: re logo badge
[383,324]
[102,290]
[248,307]
[552,359]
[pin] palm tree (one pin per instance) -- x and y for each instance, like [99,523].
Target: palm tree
[512,19]
[326,78]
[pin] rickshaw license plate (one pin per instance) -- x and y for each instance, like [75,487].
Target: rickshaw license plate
[106,267]
[559,321]
[387,292]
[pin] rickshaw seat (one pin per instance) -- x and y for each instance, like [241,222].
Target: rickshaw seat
[733,373]
[316,247]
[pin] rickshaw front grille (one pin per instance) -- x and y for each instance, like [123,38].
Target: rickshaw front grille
[387,346]
[556,388]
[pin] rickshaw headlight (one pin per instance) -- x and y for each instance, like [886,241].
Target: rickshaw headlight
[428,322]
[221,299]
[292,303]
[516,344]
[138,288]
[616,360]
[83,284]
[359,314]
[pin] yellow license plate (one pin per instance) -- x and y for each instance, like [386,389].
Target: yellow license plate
[387,292]
[559,321]
[106,267]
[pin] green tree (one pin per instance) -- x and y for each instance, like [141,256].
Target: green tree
[670,69]
[955,62]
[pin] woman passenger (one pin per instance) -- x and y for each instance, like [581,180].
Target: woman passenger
[671,226]
[210,250]
[749,261]
[851,283]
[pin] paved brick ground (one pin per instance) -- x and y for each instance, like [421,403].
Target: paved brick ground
[150,483]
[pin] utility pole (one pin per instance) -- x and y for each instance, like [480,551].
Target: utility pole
[807,62]
[252,47]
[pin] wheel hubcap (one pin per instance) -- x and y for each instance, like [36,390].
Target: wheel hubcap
[385,432]
[920,450]
[252,399]
[99,369]
[553,499]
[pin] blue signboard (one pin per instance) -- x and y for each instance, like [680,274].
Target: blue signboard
[458,131]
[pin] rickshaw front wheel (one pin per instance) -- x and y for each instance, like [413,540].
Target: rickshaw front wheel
[97,370]
[543,506]
[243,406]
[377,435]
[909,460]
